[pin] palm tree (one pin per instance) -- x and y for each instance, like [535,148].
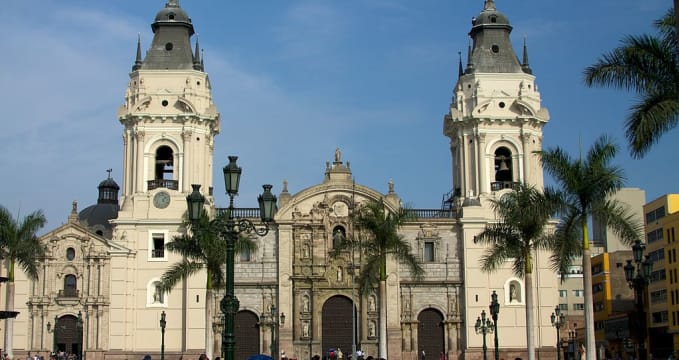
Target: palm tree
[648,66]
[584,189]
[521,230]
[378,239]
[206,249]
[19,245]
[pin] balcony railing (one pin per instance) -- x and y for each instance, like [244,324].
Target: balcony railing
[163,183]
[69,293]
[158,253]
[431,213]
[500,185]
[247,213]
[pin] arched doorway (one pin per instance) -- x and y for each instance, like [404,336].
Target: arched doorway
[246,332]
[68,335]
[430,334]
[337,324]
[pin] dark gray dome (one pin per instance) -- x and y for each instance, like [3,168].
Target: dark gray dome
[172,14]
[491,17]
[96,217]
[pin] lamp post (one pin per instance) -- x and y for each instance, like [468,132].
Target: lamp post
[229,229]
[639,282]
[79,325]
[558,320]
[163,323]
[494,311]
[53,330]
[484,326]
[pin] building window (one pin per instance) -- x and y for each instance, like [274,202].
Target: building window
[578,293]
[70,254]
[158,250]
[653,236]
[70,286]
[563,293]
[659,296]
[659,317]
[598,306]
[245,255]
[654,215]
[598,268]
[658,275]
[504,173]
[598,287]
[580,306]
[656,255]
[428,252]
[563,307]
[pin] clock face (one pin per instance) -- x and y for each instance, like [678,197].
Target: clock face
[161,200]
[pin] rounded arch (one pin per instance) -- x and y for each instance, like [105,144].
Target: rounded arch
[513,289]
[155,296]
[430,333]
[68,333]
[338,323]
[246,332]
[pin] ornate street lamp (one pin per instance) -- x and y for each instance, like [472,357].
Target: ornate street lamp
[276,322]
[558,320]
[229,229]
[639,282]
[484,326]
[54,333]
[494,311]
[163,323]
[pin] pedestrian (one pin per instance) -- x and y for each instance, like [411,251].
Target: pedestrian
[147,357]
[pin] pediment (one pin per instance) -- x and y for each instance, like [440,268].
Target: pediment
[73,235]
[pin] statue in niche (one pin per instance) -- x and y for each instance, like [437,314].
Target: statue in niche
[305,303]
[305,251]
[339,274]
[338,155]
[371,303]
[371,329]
[514,293]
[305,329]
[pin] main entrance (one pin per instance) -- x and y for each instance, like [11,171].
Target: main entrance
[337,316]
[66,334]
[246,333]
[430,334]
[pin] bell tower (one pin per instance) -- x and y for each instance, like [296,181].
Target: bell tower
[169,125]
[495,124]
[169,121]
[495,120]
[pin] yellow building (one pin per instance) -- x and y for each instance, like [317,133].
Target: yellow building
[661,216]
[670,225]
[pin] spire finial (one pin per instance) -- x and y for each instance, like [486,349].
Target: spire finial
[109,172]
[197,57]
[525,66]
[459,66]
[489,5]
[172,3]
[202,60]
[137,60]
[470,65]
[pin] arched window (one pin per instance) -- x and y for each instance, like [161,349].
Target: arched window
[504,170]
[164,163]
[70,286]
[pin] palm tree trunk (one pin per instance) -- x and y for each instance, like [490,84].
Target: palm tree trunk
[590,345]
[383,320]
[209,332]
[9,322]
[528,283]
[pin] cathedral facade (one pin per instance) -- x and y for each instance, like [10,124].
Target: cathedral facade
[99,288]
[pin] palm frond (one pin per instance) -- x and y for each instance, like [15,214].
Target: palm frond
[178,271]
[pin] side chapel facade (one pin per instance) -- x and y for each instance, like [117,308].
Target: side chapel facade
[100,277]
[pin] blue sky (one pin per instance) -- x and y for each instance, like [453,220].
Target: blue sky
[293,80]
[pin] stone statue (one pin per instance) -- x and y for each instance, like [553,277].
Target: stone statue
[371,329]
[371,303]
[305,303]
[305,329]
[338,155]
[513,293]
